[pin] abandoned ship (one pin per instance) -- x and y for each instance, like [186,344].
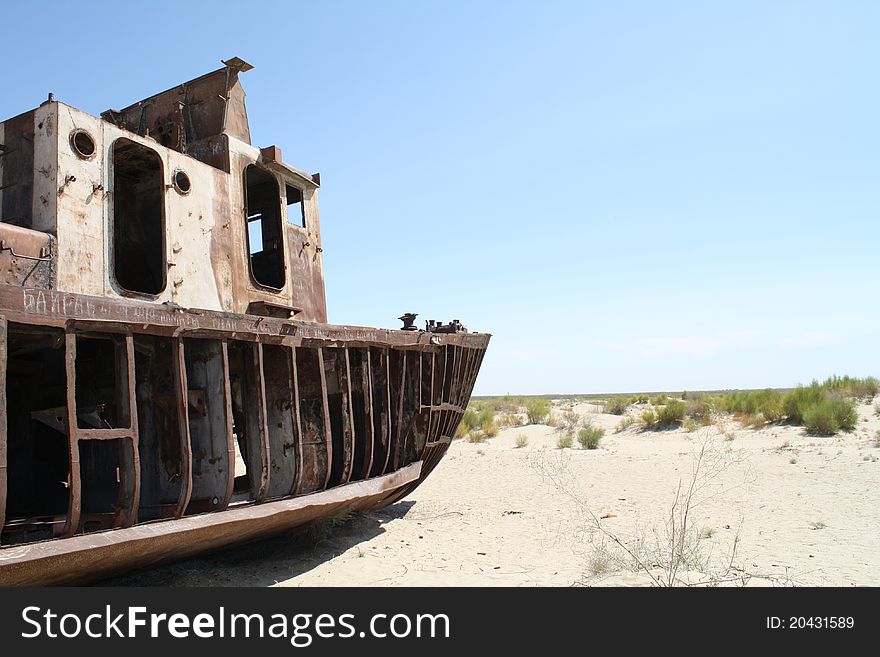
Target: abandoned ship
[169,383]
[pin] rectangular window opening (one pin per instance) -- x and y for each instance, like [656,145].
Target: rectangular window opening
[264,229]
[296,213]
[138,249]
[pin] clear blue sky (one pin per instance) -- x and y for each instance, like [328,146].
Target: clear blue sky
[630,196]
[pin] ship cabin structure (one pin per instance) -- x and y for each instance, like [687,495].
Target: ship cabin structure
[164,347]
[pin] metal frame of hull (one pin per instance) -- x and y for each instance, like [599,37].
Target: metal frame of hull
[354,415]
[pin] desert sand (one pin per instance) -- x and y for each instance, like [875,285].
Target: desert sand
[801,510]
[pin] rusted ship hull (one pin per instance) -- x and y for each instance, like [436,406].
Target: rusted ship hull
[168,379]
[86,557]
[121,424]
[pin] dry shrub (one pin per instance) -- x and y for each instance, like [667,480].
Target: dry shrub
[476,437]
[671,413]
[617,405]
[537,410]
[568,421]
[489,428]
[671,553]
[625,424]
[589,436]
[648,419]
[509,420]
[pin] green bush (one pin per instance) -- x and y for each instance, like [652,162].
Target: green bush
[489,427]
[485,416]
[470,420]
[852,387]
[718,403]
[497,405]
[824,408]
[590,436]
[820,420]
[507,404]
[798,402]
[828,405]
[648,418]
[846,414]
[537,410]
[672,412]
[565,442]
[768,404]
[830,416]
[617,405]
[700,410]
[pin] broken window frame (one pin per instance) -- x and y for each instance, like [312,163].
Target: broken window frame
[282,233]
[302,224]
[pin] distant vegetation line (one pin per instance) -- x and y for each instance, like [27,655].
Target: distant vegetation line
[822,408]
[610,395]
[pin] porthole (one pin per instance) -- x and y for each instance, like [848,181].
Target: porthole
[82,144]
[181,182]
